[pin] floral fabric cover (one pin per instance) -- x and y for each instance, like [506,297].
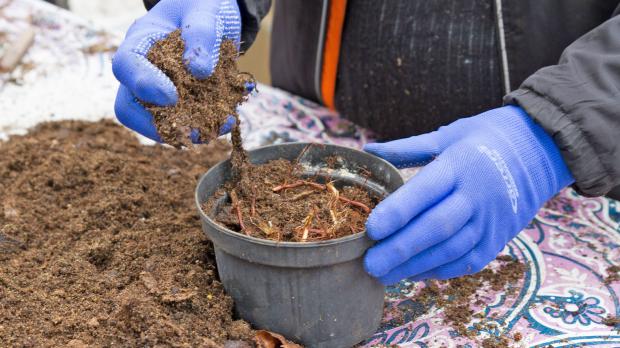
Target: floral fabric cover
[567,249]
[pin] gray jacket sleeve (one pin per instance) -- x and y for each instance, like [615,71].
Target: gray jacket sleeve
[252,12]
[577,102]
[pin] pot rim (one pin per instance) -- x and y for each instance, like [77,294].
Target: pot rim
[269,242]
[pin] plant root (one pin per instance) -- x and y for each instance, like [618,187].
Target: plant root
[297,184]
[236,206]
[301,195]
[305,228]
[360,205]
[253,204]
[317,186]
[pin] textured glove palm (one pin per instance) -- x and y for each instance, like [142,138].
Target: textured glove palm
[204,25]
[488,177]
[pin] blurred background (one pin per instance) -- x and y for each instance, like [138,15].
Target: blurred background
[118,15]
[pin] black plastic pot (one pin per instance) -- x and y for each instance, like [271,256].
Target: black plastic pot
[314,293]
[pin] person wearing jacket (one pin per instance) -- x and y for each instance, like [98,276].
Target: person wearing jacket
[414,69]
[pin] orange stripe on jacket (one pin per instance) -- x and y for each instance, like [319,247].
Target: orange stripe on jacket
[331,50]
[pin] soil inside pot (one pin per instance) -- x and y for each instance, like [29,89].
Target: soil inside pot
[203,105]
[277,201]
[102,246]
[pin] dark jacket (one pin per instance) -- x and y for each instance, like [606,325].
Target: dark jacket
[577,101]
[409,66]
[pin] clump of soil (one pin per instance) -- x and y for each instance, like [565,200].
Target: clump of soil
[496,342]
[273,201]
[203,105]
[101,244]
[613,274]
[612,321]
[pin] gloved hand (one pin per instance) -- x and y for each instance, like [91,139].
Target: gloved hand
[204,24]
[488,175]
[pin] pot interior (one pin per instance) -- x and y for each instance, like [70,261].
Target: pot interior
[340,179]
[347,167]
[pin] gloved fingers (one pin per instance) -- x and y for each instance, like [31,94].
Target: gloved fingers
[438,255]
[249,88]
[429,186]
[228,125]
[231,19]
[194,136]
[409,152]
[226,128]
[200,30]
[201,43]
[138,74]
[436,225]
[134,116]
[472,262]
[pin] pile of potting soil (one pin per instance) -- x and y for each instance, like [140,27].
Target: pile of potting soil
[273,201]
[101,243]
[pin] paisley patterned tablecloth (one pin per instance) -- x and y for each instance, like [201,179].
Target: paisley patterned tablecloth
[563,297]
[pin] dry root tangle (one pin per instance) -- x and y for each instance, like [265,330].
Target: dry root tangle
[337,219]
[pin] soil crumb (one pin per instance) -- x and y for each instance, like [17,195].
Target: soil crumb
[496,342]
[612,321]
[203,105]
[102,246]
[613,274]
[273,201]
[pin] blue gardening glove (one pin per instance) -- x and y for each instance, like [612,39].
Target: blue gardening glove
[204,24]
[488,177]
